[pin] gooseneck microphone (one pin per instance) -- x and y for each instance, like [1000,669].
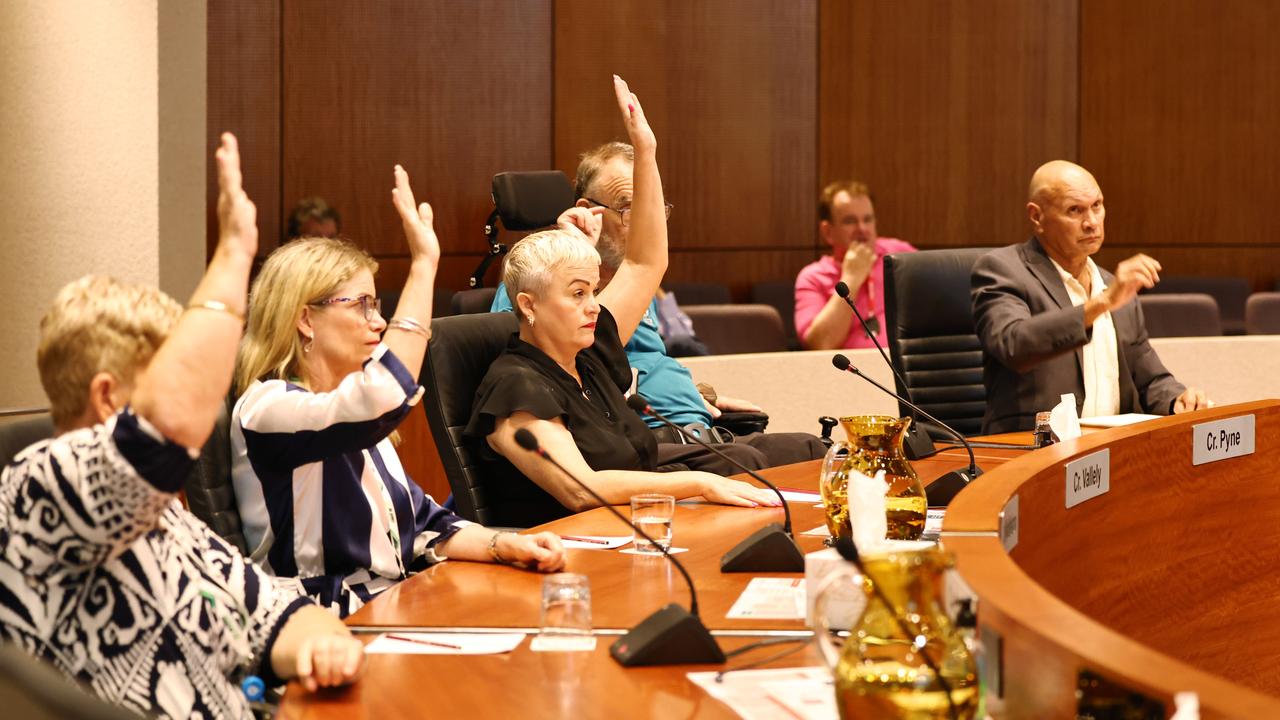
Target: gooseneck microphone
[849,551]
[918,444]
[769,549]
[671,635]
[942,490]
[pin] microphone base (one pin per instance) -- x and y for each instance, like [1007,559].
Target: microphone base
[941,491]
[918,445]
[768,549]
[670,636]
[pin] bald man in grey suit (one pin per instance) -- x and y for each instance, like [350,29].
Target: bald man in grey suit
[1051,322]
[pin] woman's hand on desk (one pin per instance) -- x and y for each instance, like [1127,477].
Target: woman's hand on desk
[735,492]
[329,660]
[540,551]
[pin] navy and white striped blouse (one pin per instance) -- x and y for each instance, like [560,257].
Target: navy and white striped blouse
[320,487]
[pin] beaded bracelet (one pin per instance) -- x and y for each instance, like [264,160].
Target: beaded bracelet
[493,548]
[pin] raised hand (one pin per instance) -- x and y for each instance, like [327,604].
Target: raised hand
[1138,272]
[586,221]
[237,215]
[416,219]
[642,137]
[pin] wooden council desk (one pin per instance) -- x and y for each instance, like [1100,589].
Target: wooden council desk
[1159,584]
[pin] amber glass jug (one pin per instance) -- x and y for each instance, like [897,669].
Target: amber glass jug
[881,671]
[875,443]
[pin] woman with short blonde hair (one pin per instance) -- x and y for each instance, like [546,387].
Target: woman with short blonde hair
[322,494]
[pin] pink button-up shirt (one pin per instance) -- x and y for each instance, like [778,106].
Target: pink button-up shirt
[816,283]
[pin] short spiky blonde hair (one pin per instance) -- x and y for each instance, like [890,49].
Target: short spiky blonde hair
[98,324]
[296,274]
[531,261]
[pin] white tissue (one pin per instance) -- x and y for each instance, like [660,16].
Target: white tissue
[1187,706]
[1064,420]
[867,511]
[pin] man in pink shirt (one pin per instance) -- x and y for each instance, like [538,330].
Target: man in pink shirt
[848,224]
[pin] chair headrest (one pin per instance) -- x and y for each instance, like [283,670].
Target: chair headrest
[531,200]
[936,283]
[461,350]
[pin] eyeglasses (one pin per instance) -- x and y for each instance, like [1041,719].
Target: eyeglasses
[369,305]
[625,213]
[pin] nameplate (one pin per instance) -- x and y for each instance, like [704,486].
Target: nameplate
[1009,524]
[1221,439]
[1088,477]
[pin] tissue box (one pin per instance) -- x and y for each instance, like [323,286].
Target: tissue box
[845,603]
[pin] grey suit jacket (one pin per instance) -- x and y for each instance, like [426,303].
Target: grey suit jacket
[1032,339]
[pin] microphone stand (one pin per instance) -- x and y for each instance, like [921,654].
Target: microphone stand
[671,635]
[771,548]
[940,491]
[918,444]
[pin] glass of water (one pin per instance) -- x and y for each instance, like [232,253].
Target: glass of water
[652,514]
[566,604]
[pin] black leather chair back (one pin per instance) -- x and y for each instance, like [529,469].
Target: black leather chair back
[18,434]
[781,294]
[931,335]
[469,302]
[211,496]
[461,350]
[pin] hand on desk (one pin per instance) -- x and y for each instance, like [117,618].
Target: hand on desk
[1191,399]
[329,660]
[540,551]
[735,492]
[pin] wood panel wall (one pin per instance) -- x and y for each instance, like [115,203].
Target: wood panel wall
[945,108]
[1179,110]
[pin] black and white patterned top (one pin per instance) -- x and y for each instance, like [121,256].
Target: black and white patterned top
[107,577]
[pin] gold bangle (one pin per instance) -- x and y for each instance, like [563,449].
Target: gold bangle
[493,547]
[216,306]
[408,324]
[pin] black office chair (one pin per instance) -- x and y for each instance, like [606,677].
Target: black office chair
[476,300]
[931,336]
[781,294]
[33,690]
[211,496]
[19,434]
[461,350]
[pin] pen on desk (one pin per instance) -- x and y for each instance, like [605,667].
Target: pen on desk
[579,538]
[432,643]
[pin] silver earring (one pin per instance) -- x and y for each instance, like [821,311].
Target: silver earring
[306,346]
[530,318]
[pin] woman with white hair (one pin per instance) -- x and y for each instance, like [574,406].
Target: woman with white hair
[564,374]
[321,492]
[102,572]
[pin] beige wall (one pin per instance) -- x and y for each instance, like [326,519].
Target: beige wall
[86,163]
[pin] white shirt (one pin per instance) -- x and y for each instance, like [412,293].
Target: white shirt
[1101,364]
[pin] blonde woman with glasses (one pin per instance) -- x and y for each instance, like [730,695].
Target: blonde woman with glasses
[324,382]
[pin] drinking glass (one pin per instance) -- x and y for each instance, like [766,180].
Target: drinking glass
[566,604]
[652,514]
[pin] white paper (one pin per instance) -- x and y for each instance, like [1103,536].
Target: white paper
[670,551]
[563,642]
[772,694]
[933,523]
[820,531]
[800,496]
[770,599]
[1110,421]
[416,643]
[594,542]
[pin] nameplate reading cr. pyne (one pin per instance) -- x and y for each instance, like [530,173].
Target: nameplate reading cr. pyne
[1009,524]
[1221,439]
[1088,477]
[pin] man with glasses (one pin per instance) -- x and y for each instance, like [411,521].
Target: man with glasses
[604,181]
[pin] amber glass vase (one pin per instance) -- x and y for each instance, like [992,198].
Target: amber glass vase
[875,444]
[882,671]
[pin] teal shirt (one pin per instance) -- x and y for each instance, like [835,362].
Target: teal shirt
[665,383]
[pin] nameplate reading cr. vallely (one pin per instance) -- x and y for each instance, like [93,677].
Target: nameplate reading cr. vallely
[1088,477]
[1221,439]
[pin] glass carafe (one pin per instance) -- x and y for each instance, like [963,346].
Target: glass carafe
[880,671]
[875,443]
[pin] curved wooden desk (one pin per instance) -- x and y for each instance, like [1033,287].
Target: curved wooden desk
[625,589]
[1166,583]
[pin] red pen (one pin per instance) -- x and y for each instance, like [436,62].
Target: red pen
[577,538]
[432,643]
